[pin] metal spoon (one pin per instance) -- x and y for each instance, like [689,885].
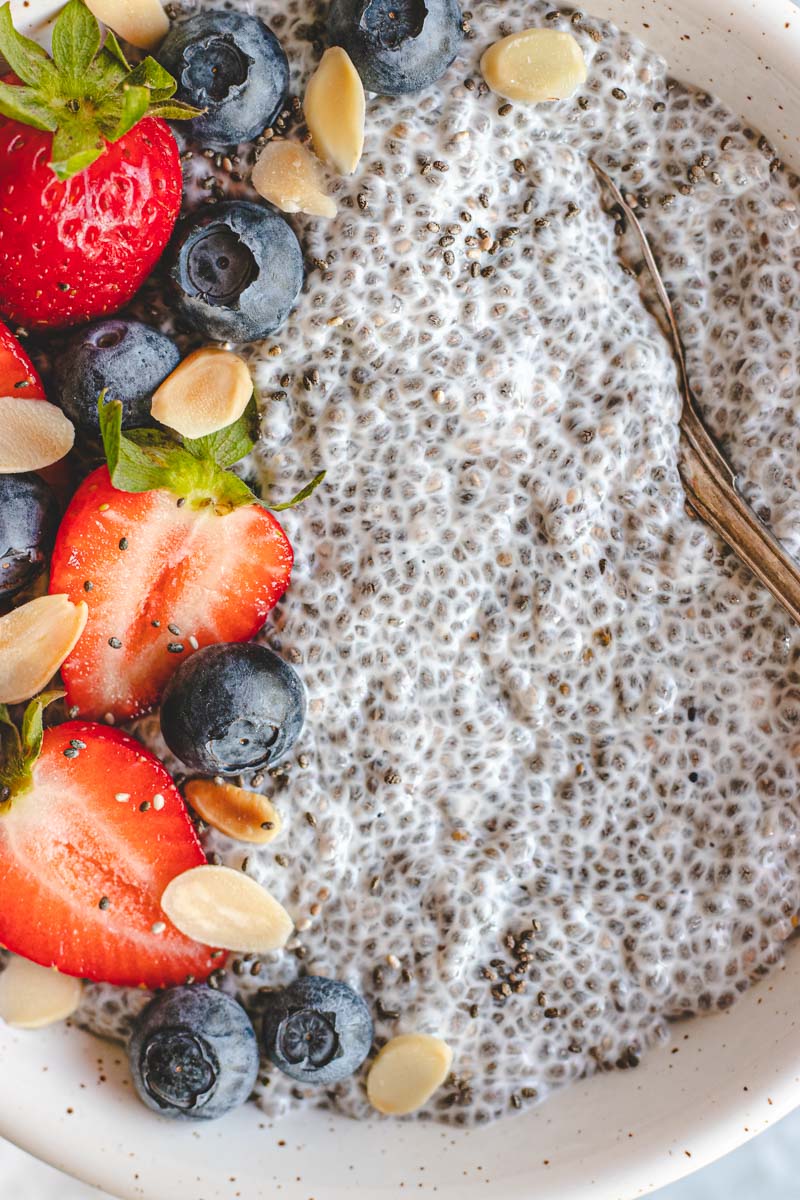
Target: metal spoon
[708,479]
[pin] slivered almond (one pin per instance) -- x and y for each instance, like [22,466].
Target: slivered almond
[335,111]
[34,641]
[143,23]
[290,177]
[407,1072]
[33,434]
[534,65]
[32,996]
[247,816]
[208,391]
[222,907]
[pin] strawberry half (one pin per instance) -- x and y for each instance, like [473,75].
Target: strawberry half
[92,829]
[90,174]
[18,376]
[171,552]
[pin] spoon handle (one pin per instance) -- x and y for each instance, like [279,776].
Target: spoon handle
[708,478]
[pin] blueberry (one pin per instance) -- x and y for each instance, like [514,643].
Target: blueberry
[317,1030]
[193,1054]
[237,271]
[127,357]
[231,708]
[28,523]
[232,65]
[397,46]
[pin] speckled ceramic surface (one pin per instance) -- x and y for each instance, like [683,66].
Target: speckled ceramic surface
[66,1098]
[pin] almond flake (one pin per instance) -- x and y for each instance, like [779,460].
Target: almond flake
[32,996]
[33,434]
[246,816]
[335,111]
[222,907]
[34,641]
[407,1072]
[290,177]
[143,23]
[207,392]
[534,65]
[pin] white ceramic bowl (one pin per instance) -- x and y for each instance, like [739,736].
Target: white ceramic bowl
[65,1096]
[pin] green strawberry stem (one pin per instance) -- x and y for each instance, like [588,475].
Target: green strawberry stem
[20,748]
[194,469]
[87,94]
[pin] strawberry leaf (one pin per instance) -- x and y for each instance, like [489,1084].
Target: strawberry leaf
[135,102]
[26,59]
[74,149]
[231,444]
[20,104]
[173,110]
[76,40]
[113,48]
[152,75]
[33,725]
[302,495]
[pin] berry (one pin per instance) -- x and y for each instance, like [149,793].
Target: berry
[397,46]
[317,1030]
[236,270]
[232,65]
[233,708]
[90,174]
[18,376]
[126,357]
[28,523]
[86,851]
[193,1054]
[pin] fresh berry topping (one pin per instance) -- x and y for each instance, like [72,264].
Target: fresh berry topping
[90,178]
[317,1030]
[18,376]
[193,1054]
[28,523]
[237,271]
[125,357]
[85,857]
[397,45]
[232,65]
[232,708]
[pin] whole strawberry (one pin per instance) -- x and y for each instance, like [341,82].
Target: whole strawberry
[90,173]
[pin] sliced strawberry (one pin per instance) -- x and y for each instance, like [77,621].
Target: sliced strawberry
[93,832]
[18,376]
[161,578]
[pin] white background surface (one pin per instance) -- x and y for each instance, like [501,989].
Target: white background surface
[765,1169]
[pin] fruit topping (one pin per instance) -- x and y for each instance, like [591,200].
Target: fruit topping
[290,177]
[28,523]
[231,65]
[534,65]
[317,1030]
[246,816]
[73,248]
[125,357]
[143,23]
[236,270]
[397,45]
[81,872]
[232,708]
[18,376]
[33,433]
[406,1073]
[206,393]
[193,1054]
[32,996]
[228,908]
[34,641]
[335,111]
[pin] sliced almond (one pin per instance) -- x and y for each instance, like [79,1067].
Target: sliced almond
[534,65]
[222,907]
[34,641]
[33,434]
[247,816]
[32,996]
[208,391]
[335,111]
[143,23]
[407,1072]
[290,177]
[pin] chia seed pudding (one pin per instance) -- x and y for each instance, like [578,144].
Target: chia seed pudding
[546,796]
